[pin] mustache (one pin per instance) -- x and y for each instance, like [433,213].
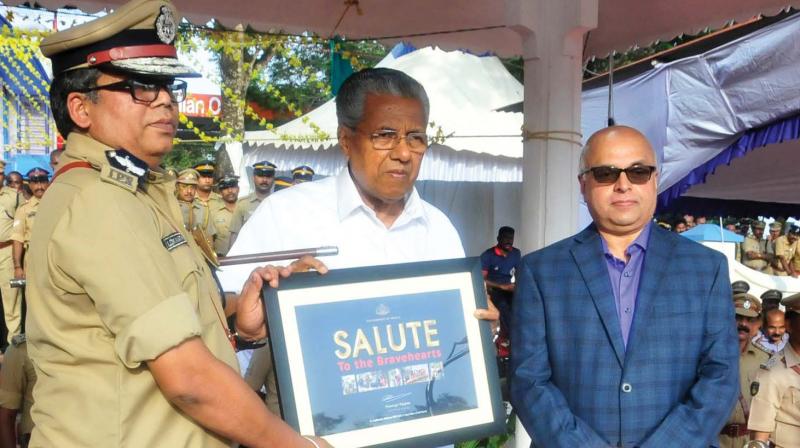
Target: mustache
[743,328]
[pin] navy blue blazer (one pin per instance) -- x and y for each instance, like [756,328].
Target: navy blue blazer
[574,383]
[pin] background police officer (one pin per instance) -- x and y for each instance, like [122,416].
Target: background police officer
[748,308]
[775,410]
[10,200]
[39,179]
[263,178]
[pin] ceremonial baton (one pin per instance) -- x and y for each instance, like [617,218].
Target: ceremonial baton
[279,255]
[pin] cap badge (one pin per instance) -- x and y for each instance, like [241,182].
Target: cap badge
[165,25]
[746,305]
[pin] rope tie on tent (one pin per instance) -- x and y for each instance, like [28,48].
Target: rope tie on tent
[561,136]
[347,4]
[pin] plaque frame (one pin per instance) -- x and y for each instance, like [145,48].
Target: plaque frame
[370,284]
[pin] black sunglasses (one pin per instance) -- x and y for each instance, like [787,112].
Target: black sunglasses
[637,174]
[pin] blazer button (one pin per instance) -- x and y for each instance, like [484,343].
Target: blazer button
[626,387]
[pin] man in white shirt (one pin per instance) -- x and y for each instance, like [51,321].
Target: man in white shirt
[370,210]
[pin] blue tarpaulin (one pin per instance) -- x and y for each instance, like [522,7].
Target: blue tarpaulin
[22,163]
[712,232]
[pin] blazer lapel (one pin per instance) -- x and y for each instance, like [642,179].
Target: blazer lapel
[588,256]
[656,261]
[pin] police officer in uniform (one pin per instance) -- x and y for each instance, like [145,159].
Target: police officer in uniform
[775,409]
[10,200]
[222,215]
[748,308]
[125,325]
[17,378]
[39,180]
[785,247]
[754,248]
[206,197]
[302,173]
[775,230]
[263,178]
[193,213]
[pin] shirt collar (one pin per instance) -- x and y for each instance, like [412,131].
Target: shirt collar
[641,241]
[349,200]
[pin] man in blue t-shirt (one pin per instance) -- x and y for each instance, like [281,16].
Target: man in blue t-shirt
[498,264]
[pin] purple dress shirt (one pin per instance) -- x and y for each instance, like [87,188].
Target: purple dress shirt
[625,279]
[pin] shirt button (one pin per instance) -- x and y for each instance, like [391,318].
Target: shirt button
[626,387]
[627,310]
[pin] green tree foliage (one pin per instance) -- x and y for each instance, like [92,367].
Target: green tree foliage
[292,79]
[188,154]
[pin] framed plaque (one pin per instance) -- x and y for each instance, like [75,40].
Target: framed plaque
[386,356]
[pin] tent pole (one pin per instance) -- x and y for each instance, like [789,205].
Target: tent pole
[552,36]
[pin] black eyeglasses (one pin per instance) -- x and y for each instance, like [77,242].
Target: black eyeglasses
[637,174]
[145,92]
[387,139]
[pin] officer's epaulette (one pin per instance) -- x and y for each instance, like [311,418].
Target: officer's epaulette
[18,339]
[124,170]
[119,178]
[771,362]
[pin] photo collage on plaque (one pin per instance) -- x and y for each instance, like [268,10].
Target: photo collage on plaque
[396,377]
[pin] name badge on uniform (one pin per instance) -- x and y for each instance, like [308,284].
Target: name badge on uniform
[173,240]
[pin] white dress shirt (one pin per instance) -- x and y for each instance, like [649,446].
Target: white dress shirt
[330,212]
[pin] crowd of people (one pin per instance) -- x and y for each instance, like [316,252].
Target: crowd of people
[624,334]
[216,217]
[776,253]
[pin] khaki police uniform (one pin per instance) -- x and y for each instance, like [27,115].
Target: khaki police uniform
[17,378]
[795,260]
[193,214]
[114,281]
[776,405]
[783,248]
[221,220]
[214,200]
[23,221]
[261,374]
[759,246]
[10,200]
[735,434]
[244,210]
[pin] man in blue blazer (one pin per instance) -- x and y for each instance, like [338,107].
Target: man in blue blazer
[624,334]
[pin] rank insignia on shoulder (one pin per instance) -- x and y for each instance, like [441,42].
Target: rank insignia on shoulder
[173,240]
[119,178]
[754,388]
[770,363]
[18,339]
[127,163]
